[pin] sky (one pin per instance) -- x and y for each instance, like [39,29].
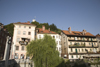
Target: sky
[77,14]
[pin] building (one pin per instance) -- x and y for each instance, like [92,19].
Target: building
[78,45]
[98,40]
[40,32]
[23,34]
[3,37]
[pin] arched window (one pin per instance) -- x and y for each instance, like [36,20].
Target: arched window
[29,33]
[22,56]
[16,55]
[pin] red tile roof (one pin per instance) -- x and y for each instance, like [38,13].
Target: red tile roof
[76,33]
[97,35]
[40,30]
[26,23]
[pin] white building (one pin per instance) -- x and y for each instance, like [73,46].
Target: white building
[42,31]
[23,33]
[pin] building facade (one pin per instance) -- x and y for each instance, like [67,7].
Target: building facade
[40,32]
[23,34]
[77,45]
[3,38]
[98,40]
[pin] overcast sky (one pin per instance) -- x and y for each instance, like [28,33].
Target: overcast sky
[77,14]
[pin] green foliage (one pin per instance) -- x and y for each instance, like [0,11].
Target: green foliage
[47,26]
[10,28]
[43,52]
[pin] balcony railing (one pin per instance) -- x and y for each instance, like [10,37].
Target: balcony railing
[84,40]
[77,45]
[23,42]
[74,53]
[82,46]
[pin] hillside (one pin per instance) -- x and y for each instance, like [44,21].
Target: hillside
[10,27]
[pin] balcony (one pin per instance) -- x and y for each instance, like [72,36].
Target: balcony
[76,53]
[23,42]
[82,40]
[78,46]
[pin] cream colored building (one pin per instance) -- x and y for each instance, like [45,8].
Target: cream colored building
[42,31]
[23,33]
[77,45]
[98,40]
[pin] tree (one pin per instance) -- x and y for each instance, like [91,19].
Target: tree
[10,28]
[43,52]
[53,27]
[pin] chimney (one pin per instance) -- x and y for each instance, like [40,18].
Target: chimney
[49,29]
[43,27]
[69,29]
[28,22]
[84,32]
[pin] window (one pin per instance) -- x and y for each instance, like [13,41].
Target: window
[94,43]
[22,47]
[24,32]
[29,33]
[90,49]
[83,38]
[18,39]
[53,36]
[71,50]
[70,43]
[16,55]
[75,38]
[82,49]
[56,36]
[79,50]
[24,26]
[19,32]
[76,56]
[39,36]
[72,56]
[91,39]
[99,41]
[29,27]
[89,43]
[17,47]
[19,26]
[84,43]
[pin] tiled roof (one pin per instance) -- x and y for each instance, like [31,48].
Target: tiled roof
[26,23]
[97,35]
[40,30]
[76,33]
